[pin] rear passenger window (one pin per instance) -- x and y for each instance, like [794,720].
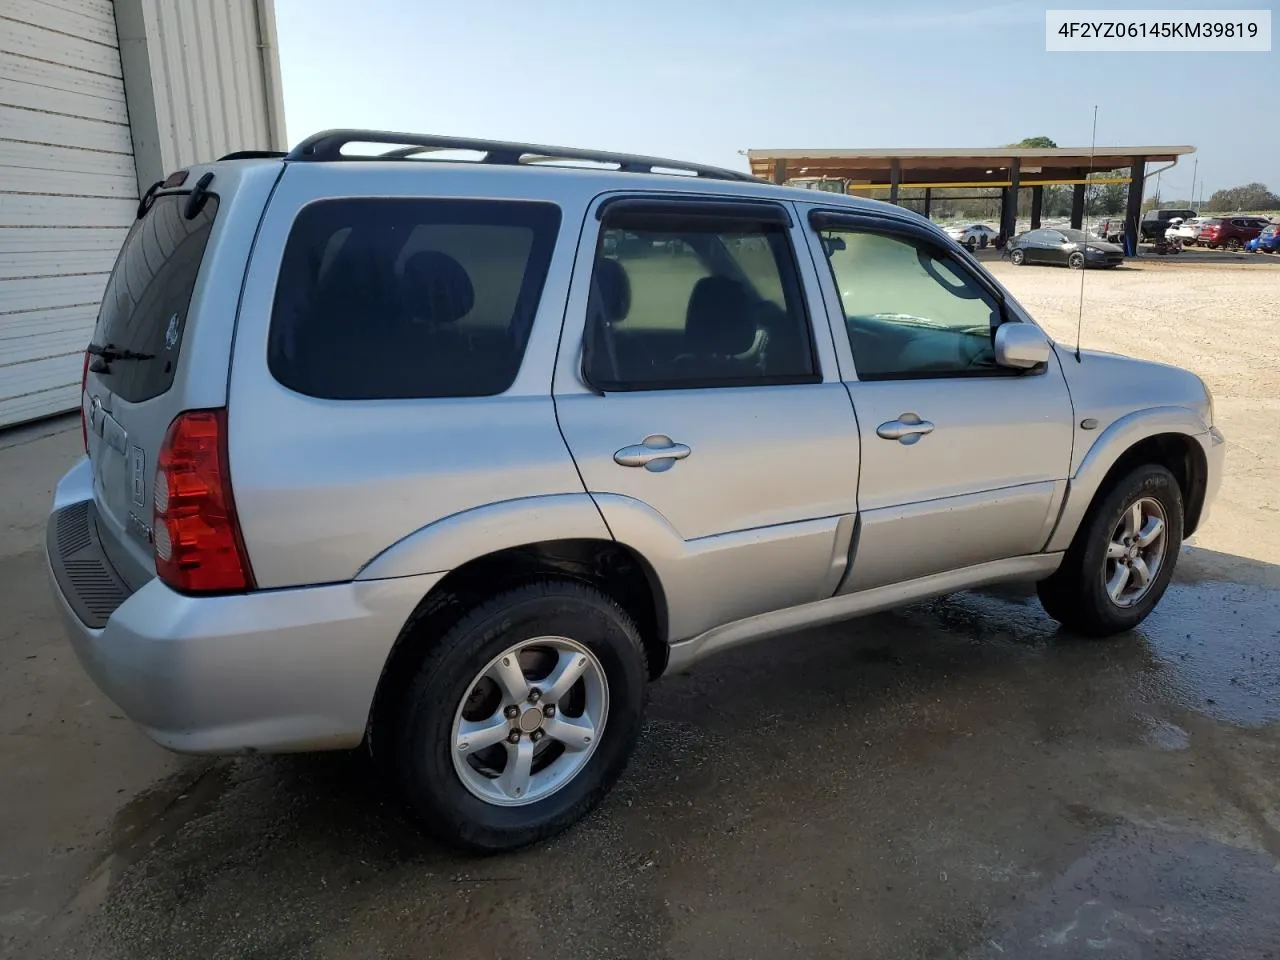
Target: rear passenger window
[404,298]
[683,300]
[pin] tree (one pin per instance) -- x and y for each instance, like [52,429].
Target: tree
[1105,199]
[1035,143]
[1250,196]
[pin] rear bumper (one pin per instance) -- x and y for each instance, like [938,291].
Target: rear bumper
[272,671]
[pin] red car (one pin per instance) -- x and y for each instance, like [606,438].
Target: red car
[1230,232]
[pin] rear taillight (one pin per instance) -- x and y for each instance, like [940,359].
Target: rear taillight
[84,417]
[198,545]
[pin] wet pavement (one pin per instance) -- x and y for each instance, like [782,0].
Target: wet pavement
[956,779]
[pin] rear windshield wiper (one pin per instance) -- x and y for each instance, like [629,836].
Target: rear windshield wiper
[108,353]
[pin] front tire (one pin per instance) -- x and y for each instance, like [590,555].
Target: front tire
[1122,558]
[521,717]
[1076,261]
[1233,245]
[1017,257]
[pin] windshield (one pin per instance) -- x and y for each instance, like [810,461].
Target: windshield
[1075,236]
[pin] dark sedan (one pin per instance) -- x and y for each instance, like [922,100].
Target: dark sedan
[1069,248]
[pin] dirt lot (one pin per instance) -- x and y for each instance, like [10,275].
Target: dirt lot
[952,780]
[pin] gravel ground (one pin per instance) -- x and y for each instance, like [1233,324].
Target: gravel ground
[956,779]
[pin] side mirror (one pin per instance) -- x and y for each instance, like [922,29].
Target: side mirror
[1021,346]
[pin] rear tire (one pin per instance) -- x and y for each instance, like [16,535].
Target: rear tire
[1088,594]
[463,799]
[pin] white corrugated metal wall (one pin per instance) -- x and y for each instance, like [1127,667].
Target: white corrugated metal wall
[68,192]
[97,99]
[203,80]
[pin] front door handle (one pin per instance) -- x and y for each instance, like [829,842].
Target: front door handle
[907,429]
[657,453]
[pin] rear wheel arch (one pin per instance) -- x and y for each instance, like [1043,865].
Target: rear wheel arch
[614,569]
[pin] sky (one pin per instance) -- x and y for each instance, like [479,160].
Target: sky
[702,80]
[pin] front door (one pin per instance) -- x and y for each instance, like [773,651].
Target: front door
[964,462]
[700,408]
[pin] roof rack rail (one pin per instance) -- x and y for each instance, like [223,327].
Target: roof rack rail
[254,155]
[328,146]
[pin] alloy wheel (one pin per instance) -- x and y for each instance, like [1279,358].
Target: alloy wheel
[529,721]
[1135,552]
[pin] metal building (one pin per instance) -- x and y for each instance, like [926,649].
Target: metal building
[97,101]
[864,172]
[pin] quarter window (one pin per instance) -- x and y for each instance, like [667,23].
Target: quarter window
[683,300]
[910,311]
[409,298]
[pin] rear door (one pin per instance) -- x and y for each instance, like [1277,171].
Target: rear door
[132,362]
[701,398]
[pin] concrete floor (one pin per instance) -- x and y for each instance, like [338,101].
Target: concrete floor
[956,779]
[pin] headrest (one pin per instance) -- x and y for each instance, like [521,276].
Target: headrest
[436,287]
[613,289]
[720,320]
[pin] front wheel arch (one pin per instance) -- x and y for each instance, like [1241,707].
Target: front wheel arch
[1180,454]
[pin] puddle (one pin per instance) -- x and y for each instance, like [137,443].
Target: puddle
[1221,643]
[1212,646]
[1147,895]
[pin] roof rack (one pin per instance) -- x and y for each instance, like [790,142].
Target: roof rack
[328,146]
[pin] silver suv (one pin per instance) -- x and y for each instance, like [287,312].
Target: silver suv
[450,459]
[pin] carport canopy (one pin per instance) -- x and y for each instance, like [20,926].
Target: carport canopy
[1009,168]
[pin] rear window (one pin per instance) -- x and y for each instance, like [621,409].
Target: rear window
[382,298]
[144,308]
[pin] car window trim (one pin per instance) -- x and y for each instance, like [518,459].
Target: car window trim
[698,207]
[775,214]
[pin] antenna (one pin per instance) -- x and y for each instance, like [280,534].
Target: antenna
[1093,143]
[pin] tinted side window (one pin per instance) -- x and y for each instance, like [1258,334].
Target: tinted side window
[402,298]
[144,308]
[691,301]
[910,311]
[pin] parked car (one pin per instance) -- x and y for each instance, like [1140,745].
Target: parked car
[395,453]
[974,235]
[1156,222]
[1231,233]
[1065,247]
[1184,230]
[1268,241]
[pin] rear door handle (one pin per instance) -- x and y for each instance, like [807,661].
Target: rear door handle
[907,429]
[658,452]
